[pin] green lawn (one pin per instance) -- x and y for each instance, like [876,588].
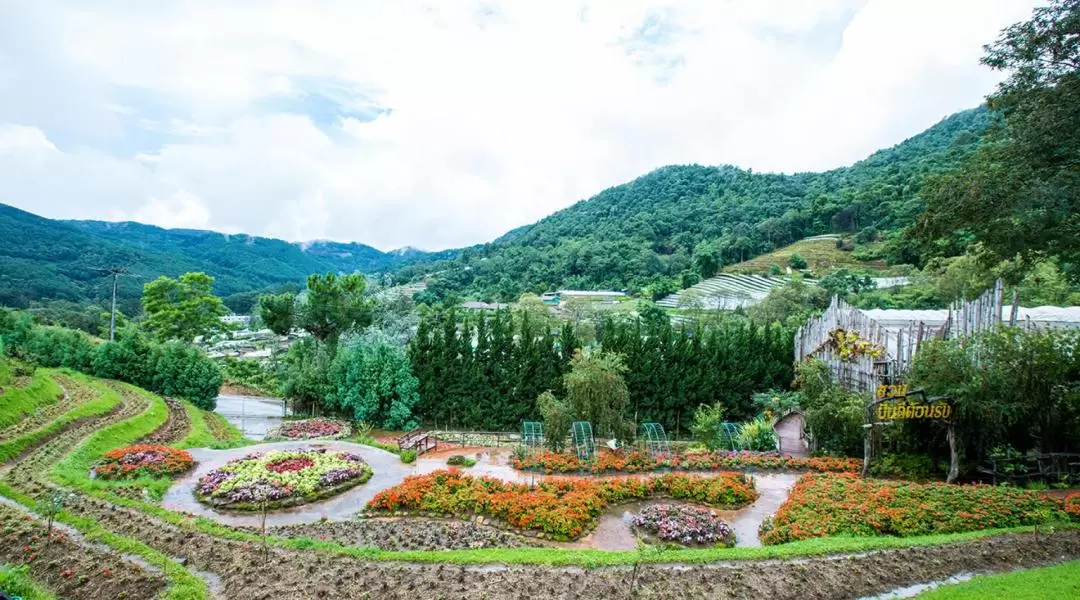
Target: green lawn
[14,581]
[1061,581]
[17,403]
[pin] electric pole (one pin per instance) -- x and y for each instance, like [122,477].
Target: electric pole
[116,272]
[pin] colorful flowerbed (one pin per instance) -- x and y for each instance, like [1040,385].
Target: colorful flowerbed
[309,429]
[638,462]
[281,478]
[827,504]
[144,459]
[559,508]
[685,525]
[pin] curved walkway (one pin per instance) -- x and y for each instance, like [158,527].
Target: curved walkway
[388,468]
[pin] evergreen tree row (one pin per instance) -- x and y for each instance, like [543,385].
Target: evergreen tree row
[486,371]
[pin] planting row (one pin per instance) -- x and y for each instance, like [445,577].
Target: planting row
[281,478]
[560,508]
[621,461]
[143,460]
[830,504]
[309,429]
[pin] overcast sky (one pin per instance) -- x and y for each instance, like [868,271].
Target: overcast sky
[447,123]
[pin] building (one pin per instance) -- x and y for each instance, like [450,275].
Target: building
[476,305]
[241,320]
[560,296]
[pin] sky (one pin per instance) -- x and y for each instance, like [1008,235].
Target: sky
[446,123]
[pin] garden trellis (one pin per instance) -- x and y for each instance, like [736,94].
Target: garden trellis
[727,437]
[581,435]
[532,437]
[656,441]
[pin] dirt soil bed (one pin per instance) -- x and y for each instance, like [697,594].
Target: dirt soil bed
[173,429]
[406,534]
[69,568]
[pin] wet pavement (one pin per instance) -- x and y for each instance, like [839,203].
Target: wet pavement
[388,472]
[253,415]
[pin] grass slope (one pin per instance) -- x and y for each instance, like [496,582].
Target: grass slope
[819,254]
[17,403]
[1061,581]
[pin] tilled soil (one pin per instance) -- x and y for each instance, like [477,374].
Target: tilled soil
[405,534]
[173,429]
[67,567]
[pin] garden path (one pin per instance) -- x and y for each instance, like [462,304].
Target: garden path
[388,468]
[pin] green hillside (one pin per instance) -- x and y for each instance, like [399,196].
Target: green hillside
[674,225]
[56,260]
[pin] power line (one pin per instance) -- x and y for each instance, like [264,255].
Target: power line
[116,273]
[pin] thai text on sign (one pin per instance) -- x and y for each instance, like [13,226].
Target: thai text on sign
[892,391]
[893,411]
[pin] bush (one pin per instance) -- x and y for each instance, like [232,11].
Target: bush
[706,425]
[758,435]
[562,508]
[458,460]
[408,456]
[827,504]
[797,262]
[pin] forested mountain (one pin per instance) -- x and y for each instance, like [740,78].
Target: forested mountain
[678,223]
[48,259]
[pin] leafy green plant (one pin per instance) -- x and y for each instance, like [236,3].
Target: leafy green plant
[408,456]
[458,460]
[707,420]
[757,435]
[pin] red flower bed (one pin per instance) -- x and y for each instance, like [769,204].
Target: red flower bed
[290,464]
[1072,506]
[143,459]
[639,462]
[561,508]
[309,429]
[827,504]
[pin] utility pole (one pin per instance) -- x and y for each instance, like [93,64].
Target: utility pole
[115,272]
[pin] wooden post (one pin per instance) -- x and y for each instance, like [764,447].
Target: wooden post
[954,455]
[868,446]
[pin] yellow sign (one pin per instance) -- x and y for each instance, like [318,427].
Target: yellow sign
[892,391]
[893,411]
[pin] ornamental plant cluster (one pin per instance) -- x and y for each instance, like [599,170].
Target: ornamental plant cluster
[685,525]
[620,461]
[561,508]
[143,460]
[296,476]
[828,504]
[310,429]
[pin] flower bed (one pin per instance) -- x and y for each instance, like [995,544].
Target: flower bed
[560,508]
[309,429]
[685,525]
[824,505]
[281,478]
[637,462]
[143,460]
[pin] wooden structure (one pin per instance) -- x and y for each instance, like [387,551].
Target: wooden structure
[417,440]
[899,337]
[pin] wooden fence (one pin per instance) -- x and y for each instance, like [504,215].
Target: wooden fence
[864,373]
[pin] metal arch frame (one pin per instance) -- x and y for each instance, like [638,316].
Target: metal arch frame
[532,437]
[656,440]
[581,435]
[727,437]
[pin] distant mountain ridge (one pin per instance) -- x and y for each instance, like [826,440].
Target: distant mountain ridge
[55,259]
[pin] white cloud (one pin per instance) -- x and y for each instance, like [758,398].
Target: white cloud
[494,114]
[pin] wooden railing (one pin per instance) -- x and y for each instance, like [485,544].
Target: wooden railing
[417,440]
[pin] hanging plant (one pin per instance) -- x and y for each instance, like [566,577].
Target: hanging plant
[851,346]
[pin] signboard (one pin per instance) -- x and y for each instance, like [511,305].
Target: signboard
[892,391]
[903,409]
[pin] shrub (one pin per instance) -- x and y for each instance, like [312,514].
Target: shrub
[824,505]
[562,508]
[143,460]
[686,525]
[458,460]
[408,456]
[797,262]
[757,435]
[638,462]
[707,420]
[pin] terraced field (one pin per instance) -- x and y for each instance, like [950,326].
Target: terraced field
[726,291]
[115,541]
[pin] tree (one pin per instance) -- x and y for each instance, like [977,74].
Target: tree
[373,384]
[557,420]
[334,305]
[278,312]
[182,309]
[1019,193]
[790,304]
[596,392]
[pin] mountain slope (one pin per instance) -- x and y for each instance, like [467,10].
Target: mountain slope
[678,223]
[48,259]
